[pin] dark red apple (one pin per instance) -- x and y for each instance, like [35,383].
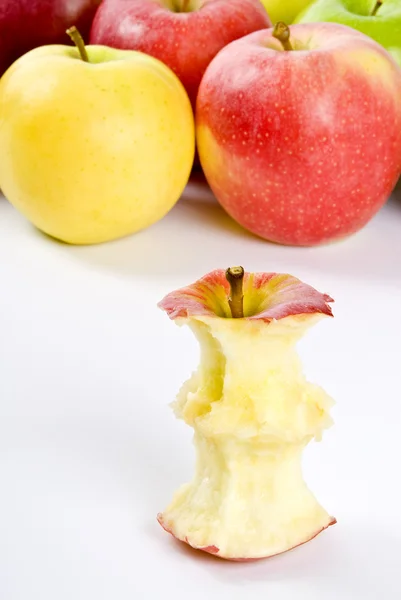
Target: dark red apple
[26,24]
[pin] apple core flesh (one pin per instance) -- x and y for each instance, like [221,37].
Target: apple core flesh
[301,147]
[253,413]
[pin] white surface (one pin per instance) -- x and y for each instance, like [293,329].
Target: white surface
[90,450]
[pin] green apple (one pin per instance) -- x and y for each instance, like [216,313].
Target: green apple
[380,19]
[94,149]
[284,10]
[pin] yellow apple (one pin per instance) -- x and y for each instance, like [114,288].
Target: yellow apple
[94,150]
[285,10]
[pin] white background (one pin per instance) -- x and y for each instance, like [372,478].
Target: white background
[90,450]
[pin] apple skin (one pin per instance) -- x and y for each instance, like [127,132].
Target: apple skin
[93,151]
[26,24]
[267,297]
[384,27]
[285,10]
[301,148]
[185,41]
[214,550]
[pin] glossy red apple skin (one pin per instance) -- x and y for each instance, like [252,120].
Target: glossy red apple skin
[185,41]
[26,24]
[272,296]
[214,550]
[301,148]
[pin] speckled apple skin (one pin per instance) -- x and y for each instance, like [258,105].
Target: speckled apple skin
[301,147]
[184,41]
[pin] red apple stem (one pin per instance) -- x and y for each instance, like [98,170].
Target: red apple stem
[379,3]
[282,33]
[76,37]
[235,277]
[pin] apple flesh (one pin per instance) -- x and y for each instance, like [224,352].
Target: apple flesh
[26,24]
[184,34]
[301,147]
[379,20]
[253,413]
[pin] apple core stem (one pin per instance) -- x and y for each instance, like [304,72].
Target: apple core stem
[235,277]
[281,32]
[76,37]
[376,8]
[184,5]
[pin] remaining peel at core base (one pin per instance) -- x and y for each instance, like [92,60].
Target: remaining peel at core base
[253,413]
[214,551]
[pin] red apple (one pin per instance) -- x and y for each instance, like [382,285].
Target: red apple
[252,411]
[184,34]
[301,146]
[26,24]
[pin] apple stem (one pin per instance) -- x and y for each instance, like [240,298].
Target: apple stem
[376,8]
[76,37]
[281,32]
[181,6]
[235,277]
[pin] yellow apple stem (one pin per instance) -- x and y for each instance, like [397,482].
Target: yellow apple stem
[185,4]
[281,32]
[76,37]
[376,8]
[235,277]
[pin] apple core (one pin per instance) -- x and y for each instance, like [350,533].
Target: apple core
[253,413]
